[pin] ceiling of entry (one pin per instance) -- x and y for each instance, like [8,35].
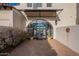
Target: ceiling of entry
[41,13]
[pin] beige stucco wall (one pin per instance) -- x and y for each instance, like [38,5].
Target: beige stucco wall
[70,39]
[12,18]
[6,18]
[18,20]
[68,15]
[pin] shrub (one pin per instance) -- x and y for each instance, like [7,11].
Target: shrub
[11,37]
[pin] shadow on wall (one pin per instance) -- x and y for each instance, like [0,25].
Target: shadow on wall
[77,13]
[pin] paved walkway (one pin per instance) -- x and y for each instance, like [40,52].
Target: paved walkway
[33,48]
[61,49]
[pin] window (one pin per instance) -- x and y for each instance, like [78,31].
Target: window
[38,4]
[49,4]
[29,4]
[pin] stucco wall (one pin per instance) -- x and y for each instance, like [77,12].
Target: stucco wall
[18,20]
[70,39]
[68,15]
[6,18]
[12,18]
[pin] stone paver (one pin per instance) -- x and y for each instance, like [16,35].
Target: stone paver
[33,48]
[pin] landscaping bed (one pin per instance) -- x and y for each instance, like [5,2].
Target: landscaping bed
[11,37]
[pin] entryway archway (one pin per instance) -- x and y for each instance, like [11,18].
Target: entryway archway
[40,29]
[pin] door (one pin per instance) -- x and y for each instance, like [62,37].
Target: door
[40,30]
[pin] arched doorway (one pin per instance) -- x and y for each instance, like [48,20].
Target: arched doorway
[40,29]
